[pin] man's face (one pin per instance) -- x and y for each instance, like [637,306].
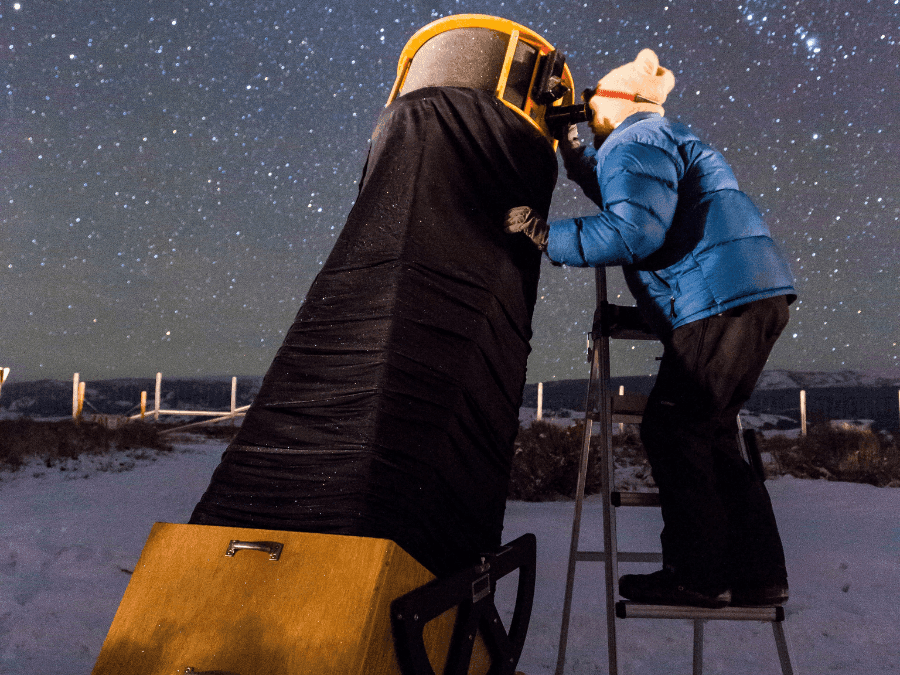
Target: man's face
[608,114]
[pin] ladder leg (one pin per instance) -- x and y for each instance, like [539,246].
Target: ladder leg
[608,467]
[610,546]
[698,646]
[602,405]
[564,626]
[782,645]
[570,583]
[576,520]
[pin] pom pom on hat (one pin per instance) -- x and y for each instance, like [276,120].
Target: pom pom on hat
[639,86]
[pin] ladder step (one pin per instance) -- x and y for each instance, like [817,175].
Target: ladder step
[622,418]
[639,610]
[617,418]
[634,498]
[627,408]
[622,556]
[629,403]
[617,333]
[622,322]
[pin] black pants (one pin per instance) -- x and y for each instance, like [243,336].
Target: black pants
[719,529]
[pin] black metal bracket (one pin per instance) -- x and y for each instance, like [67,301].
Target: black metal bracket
[558,118]
[471,591]
[548,86]
[621,322]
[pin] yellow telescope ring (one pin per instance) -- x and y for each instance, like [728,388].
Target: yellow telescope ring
[486,52]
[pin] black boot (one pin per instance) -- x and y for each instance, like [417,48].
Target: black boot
[752,595]
[663,588]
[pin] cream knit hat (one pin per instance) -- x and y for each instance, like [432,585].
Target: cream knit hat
[639,86]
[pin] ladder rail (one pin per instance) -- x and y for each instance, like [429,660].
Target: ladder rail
[574,553]
[698,647]
[608,476]
[597,407]
[781,643]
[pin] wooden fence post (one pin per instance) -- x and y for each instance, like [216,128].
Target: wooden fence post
[803,412]
[143,404]
[75,396]
[4,373]
[539,415]
[158,396]
[233,399]
[80,399]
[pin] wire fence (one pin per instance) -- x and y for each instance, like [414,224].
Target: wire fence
[144,399]
[109,406]
[795,406]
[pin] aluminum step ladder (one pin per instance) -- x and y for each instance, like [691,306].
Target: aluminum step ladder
[605,409]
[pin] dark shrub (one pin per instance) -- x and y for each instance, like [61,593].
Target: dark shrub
[52,442]
[838,452]
[545,465]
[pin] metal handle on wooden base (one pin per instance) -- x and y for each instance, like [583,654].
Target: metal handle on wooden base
[273,548]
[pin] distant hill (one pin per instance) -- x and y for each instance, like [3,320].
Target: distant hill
[802,379]
[838,395]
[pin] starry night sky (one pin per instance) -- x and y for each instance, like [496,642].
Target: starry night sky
[174,174]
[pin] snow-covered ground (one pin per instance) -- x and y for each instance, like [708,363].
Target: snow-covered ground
[68,540]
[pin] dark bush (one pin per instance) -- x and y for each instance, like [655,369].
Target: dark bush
[844,453]
[53,442]
[545,464]
[222,431]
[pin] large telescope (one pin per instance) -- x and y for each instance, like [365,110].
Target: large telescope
[391,409]
[375,460]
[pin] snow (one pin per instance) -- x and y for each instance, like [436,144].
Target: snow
[68,540]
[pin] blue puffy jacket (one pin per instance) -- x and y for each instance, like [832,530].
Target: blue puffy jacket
[691,244]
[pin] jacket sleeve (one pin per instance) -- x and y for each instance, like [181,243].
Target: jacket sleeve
[639,184]
[581,168]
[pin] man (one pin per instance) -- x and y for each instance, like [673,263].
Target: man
[707,276]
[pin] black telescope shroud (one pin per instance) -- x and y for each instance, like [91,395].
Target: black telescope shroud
[391,408]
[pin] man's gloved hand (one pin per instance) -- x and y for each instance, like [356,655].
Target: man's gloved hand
[579,164]
[569,142]
[526,220]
